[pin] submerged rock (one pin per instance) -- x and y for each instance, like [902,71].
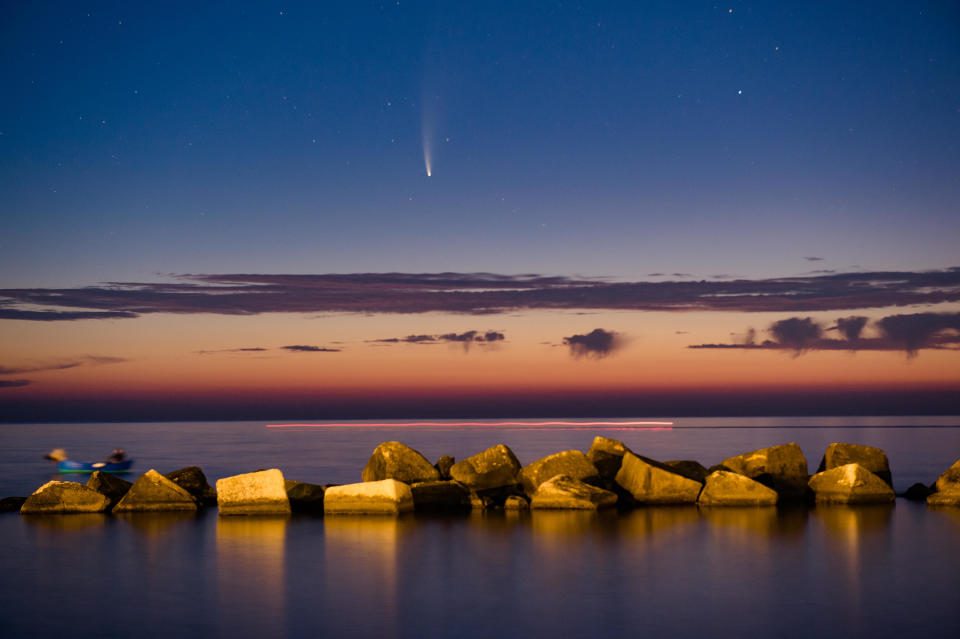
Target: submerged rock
[650,482]
[783,468]
[873,459]
[607,455]
[304,497]
[689,468]
[725,488]
[62,497]
[443,466]
[384,497]
[569,493]
[153,492]
[11,504]
[850,484]
[440,496]
[393,460]
[259,493]
[917,492]
[110,485]
[495,467]
[194,481]
[571,463]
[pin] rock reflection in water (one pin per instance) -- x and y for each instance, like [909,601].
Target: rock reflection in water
[155,525]
[76,521]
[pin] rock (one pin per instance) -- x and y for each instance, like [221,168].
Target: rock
[850,484]
[440,496]
[950,478]
[482,502]
[64,497]
[443,466]
[571,463]
[516,502]
[110,485]
[607,455]
[949,497]
[688,468]
[873,459]
[304,497]
[568,493]
[11,504]
[917,492]
[783,468]
[495,467]
[192,480]
[154,492]
[393,460]
[259,493]
[384,497]
[650,482]
[725,488]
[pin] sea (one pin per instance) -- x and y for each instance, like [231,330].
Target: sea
[867,571]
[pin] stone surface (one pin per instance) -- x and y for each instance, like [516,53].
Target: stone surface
[873,459]
[440,496]
[495,467]
[304,497]
[481,502]
[689,468]
[153,492]
[571,463]
[11,504]
[110,485]
[443,466]
[783,468]
[192,480]
[568,493]
[384,497]
[850,484]
[393,460]
[60,497]
[650,482]
[949,497]
[950,478]
[725,488]
[607,455]
[917,492]
[259,493]
[516,502]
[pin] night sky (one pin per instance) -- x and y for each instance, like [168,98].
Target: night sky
[224,211]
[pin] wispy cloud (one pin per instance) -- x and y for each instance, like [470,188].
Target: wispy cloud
[598,343]
[478,294]
[60,364]
[251,349]
[302,348]
[14,383]
[466,339]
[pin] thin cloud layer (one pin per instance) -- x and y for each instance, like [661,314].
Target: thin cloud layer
[475,293]
[14,383]
[598,343]
[303,348]
[467,338]
[57,365]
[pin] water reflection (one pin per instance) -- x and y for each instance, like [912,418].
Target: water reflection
[65,523]
[156,524]
[764,521]
[655,525]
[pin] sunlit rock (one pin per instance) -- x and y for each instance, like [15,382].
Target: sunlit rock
[689,468]
[261,493]
[783,468]
[568,493]
[393,460]
[194,481]
[607,455]
[110,485]
[516,502]
[443,466]
[153,492]
[384,497]
[850,484]
[947,488]
[64,497]
[304,497]
[495,467]
[571,463]
[650,482]
[440,496]
[873,459]
[725,488]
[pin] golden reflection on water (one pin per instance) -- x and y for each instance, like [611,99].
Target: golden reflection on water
[154,525]
[66,523]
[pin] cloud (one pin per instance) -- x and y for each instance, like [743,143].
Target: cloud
[301,348]
[13,383]
[62,364]
[796,333]
[466,338]
[813,259]
[251,349]
[477,294]
[851,327]
[921,330]
[597,343]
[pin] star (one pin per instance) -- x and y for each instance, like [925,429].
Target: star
[739,91]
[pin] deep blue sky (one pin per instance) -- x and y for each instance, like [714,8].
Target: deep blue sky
[597,138]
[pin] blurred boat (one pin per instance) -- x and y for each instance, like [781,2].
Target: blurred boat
[70,466]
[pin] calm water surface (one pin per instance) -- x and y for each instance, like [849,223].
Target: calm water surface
[856,571]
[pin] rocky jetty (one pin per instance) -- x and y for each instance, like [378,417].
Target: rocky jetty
[152,492]
[850,484]
[782,468]
[570,463]
[384,497]
[63,497]
[569,493]
[261,493]
[726,488]
[873,459]
[496,467]
[393,460]
[650,482]
[607,455]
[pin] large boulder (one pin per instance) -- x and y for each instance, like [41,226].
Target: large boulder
[304,497]
[783,468]
[689,468]
[385,497]
[873,459]
[64,497]
[153,492]
[725,488]
[569,493]
[947,488]
[850,484]
[607,455]
[439,496]
[571,463]
[110,485]
[650,482]
[393,460]
[443,466]
[259,493]
[496,467]
[192,480]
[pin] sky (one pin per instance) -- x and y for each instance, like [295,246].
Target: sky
[412,209]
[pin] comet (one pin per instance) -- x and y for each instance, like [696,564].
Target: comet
[427,159]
